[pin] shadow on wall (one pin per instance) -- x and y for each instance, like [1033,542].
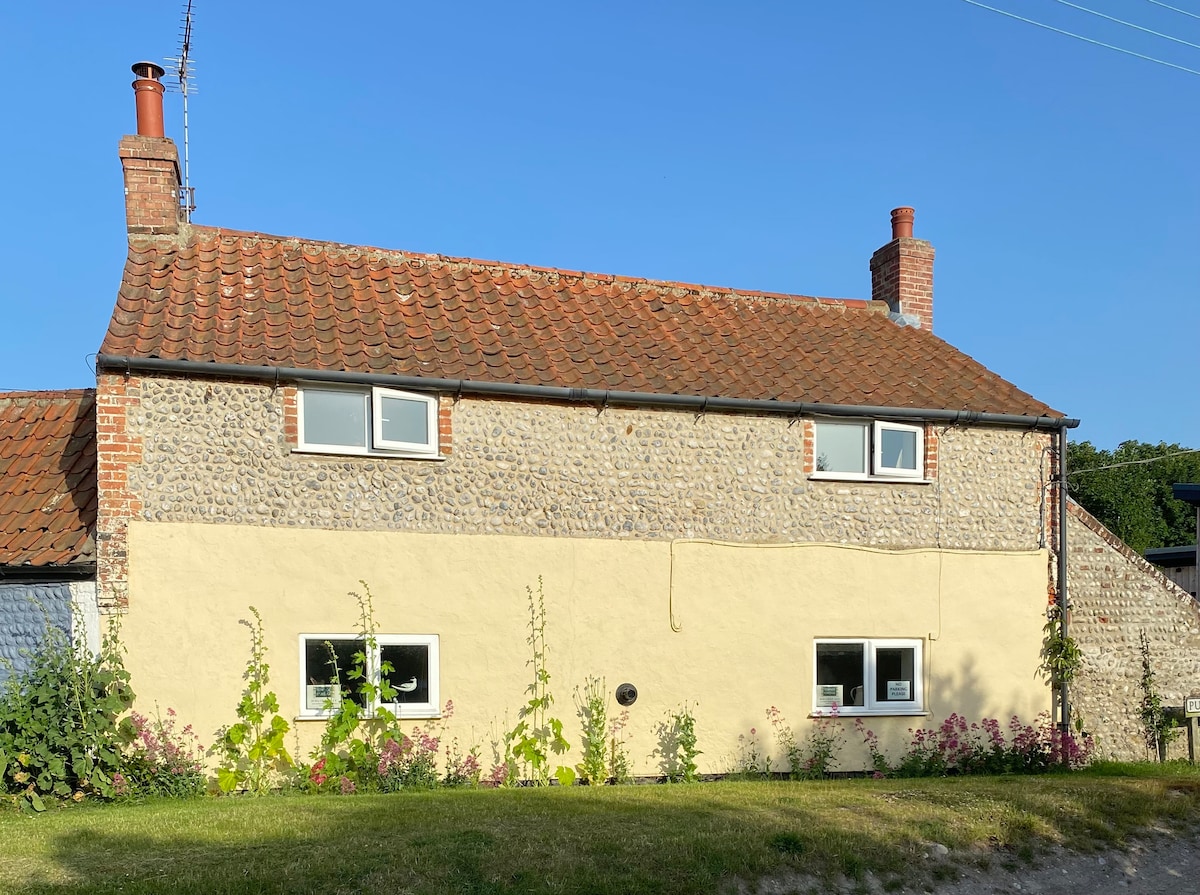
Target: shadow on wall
[26,610]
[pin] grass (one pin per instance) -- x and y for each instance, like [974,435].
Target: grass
[648,839]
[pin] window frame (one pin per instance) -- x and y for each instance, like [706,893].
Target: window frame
[877,467]
[376,445]
[873,430]
[431,708]
[872,705]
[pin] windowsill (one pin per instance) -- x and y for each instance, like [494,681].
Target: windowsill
[419,716]
[867,479]
[854,712]
[364,452]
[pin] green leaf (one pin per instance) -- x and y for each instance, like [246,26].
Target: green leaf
[564,775]
[227,779]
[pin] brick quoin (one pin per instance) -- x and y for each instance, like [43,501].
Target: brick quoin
[931,451]
[810,442]
[445,432]
[116,450]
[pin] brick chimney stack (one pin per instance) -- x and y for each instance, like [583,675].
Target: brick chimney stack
[902,274]
[150,161]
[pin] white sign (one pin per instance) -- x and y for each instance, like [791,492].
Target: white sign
[829,695]
[1191,706]
[899,690]
[317,696]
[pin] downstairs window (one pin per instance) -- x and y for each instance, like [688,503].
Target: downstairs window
[408,663]
[868,676]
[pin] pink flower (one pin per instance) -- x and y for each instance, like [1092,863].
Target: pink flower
[347,786]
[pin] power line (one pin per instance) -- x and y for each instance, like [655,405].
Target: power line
[1182,12]
[1186,43]
[1133,462]
[1190,71]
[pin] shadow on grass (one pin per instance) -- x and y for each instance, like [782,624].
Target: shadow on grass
[664,840]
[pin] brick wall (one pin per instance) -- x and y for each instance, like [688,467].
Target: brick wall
[902,276]
[151,168]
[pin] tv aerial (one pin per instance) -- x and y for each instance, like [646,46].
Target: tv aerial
[182,68]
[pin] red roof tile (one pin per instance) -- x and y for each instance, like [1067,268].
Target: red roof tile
[47,478]
[257,300]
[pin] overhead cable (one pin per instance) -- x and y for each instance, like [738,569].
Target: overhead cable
[1178,40]
[1133,462]
[1190,71]
[1182,12]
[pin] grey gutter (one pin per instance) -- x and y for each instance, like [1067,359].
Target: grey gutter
[117,364]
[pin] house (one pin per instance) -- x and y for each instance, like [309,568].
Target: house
[732,499]
[1177,563]
[47,518]
[1189,492]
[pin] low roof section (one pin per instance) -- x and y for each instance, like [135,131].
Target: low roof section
[217,298]
[47,483]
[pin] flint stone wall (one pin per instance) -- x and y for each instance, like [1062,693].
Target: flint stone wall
[26,609]
[217,452]
[1115,595]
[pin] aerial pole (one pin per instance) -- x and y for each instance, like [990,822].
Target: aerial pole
[181,67]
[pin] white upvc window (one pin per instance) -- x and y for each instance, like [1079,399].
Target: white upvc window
[409,664]
[371,421]
[868,676]
[866,449]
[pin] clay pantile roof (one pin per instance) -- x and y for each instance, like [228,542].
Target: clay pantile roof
[47,478]
[256,300]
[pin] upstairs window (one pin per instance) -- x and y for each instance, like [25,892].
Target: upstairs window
[868,676]
[379,421]
[862,449]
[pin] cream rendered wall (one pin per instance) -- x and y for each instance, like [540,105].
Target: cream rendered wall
[746,616]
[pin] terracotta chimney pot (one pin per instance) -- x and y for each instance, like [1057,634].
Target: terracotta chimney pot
[148,96]
[902,222]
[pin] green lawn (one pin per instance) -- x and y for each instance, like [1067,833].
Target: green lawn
[644,839]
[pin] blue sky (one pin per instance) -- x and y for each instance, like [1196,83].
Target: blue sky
[755,145]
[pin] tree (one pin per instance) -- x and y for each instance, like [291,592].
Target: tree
[1135,501]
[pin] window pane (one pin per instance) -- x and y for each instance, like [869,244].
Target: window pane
[842,447]
[404,419]
[321,657]
[409,676]
[335,418]
[839,665]
[898,448]
[894,674]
